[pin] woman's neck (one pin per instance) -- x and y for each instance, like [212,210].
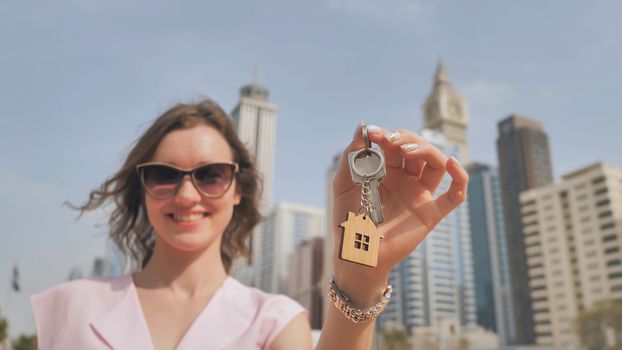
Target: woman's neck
[185,274]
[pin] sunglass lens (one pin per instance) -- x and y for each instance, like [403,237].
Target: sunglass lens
[160,180]
[214,179]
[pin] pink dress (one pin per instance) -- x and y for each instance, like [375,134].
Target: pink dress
[106,314]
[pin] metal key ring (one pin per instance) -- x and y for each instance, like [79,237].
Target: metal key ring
[355,155]
[365,136]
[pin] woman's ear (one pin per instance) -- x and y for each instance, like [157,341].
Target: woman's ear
[237,196]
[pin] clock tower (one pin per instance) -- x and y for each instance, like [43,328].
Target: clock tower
[446,111]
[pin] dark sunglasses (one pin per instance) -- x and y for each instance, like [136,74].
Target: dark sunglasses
[162,180]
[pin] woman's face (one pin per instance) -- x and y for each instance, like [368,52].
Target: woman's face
[190,221]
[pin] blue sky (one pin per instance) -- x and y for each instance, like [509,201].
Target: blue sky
[80,79]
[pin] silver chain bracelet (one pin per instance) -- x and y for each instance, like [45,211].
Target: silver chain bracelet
[342,303]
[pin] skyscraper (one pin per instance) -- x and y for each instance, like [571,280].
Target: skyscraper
[255,121]
[446,111]
[574,248]
[524,163]
[493,289]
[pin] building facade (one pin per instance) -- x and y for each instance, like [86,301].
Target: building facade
[255,120]
[573,236]
[524,163]
[284,227]
[305,278]
[493,288]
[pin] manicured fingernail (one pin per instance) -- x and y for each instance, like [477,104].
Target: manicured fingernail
[392,136]
[373,129]
[456,160]
[357,131]
[407,147]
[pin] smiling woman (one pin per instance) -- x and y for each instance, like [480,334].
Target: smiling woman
[186,201]
[202,131]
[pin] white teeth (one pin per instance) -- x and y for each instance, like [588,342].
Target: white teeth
[192,217]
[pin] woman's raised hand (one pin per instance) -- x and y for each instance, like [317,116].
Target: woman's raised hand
[415,169]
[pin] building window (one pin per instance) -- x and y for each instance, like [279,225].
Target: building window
[361,242]
[614,262]
[542,311]
[602,202]
[598,180]
[533,212]
[609,238]
[615,275]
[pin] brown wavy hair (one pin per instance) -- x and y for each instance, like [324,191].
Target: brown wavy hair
[130,228]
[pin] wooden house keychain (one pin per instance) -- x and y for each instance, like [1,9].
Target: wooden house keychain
[361,240]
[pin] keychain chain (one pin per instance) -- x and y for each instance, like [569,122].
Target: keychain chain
[365,192]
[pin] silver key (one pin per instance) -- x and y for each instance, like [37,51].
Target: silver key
[367,165]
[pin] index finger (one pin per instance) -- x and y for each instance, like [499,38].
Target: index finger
[456,194]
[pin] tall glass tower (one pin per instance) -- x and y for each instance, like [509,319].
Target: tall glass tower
[524,163]
[255,121]
[493,287]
